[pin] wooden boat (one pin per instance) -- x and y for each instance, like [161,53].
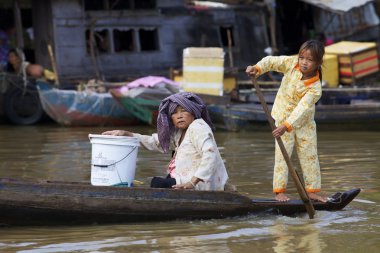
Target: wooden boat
[40,203]
[144,109]
[343,106]
[82,108]
[235,117]
[143,101]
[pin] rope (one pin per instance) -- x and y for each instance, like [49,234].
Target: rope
[26,85]
[112,164]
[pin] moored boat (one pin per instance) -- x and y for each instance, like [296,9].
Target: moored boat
[351,106]
[82,108]
[235,117]
[41,203]
[143,96]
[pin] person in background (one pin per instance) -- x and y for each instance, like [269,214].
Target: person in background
[293,111]
[19,66]
[184,126]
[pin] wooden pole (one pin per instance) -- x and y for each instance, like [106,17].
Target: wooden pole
[272,26]
[92,50]
[18,24]
[300,188]
[53,64]
[230,55]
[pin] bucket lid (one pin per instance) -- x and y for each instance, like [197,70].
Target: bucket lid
[112,137]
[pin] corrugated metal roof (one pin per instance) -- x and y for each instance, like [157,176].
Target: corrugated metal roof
[337,5]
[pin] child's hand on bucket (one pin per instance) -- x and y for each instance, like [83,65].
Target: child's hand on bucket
[118,133]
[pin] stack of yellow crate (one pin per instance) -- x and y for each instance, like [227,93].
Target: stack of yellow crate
[203,70]
[356,59]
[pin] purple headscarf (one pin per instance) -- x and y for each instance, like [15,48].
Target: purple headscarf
[190,102]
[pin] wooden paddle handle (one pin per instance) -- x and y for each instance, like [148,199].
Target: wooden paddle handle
[300,188]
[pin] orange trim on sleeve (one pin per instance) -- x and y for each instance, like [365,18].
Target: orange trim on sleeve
[313,190]
[289,127]
[258,69]
[279,190]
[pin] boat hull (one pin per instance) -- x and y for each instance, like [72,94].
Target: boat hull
[235,117]
[146,110]
[73,108]
[355,107]
[41,203]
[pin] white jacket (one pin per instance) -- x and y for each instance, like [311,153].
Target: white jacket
[198,156]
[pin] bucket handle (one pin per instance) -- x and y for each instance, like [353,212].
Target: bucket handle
[112,164]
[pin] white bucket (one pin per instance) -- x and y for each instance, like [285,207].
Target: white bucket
[113,159]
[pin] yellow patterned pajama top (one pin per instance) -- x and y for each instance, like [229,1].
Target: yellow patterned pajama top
[294,107]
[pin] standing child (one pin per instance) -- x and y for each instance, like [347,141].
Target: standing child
[184,125]
[293,111]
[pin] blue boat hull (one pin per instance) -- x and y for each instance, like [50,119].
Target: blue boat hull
[74,108]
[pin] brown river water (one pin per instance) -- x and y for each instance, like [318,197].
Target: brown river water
[348,160]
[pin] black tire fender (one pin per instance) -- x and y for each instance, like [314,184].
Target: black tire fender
[22,105]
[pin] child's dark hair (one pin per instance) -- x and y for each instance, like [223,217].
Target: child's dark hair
[317,49]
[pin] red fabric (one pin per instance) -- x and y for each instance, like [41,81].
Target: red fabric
[171,167]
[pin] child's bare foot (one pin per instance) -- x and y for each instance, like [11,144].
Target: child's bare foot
[314,196]
[281,197]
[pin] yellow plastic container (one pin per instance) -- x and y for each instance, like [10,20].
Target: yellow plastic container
[203,70]
[229,81]
[330,73]
[356,59]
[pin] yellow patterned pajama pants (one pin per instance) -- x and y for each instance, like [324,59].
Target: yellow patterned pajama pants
[304,140]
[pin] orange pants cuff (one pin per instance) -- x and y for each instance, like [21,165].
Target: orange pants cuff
[279,190]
